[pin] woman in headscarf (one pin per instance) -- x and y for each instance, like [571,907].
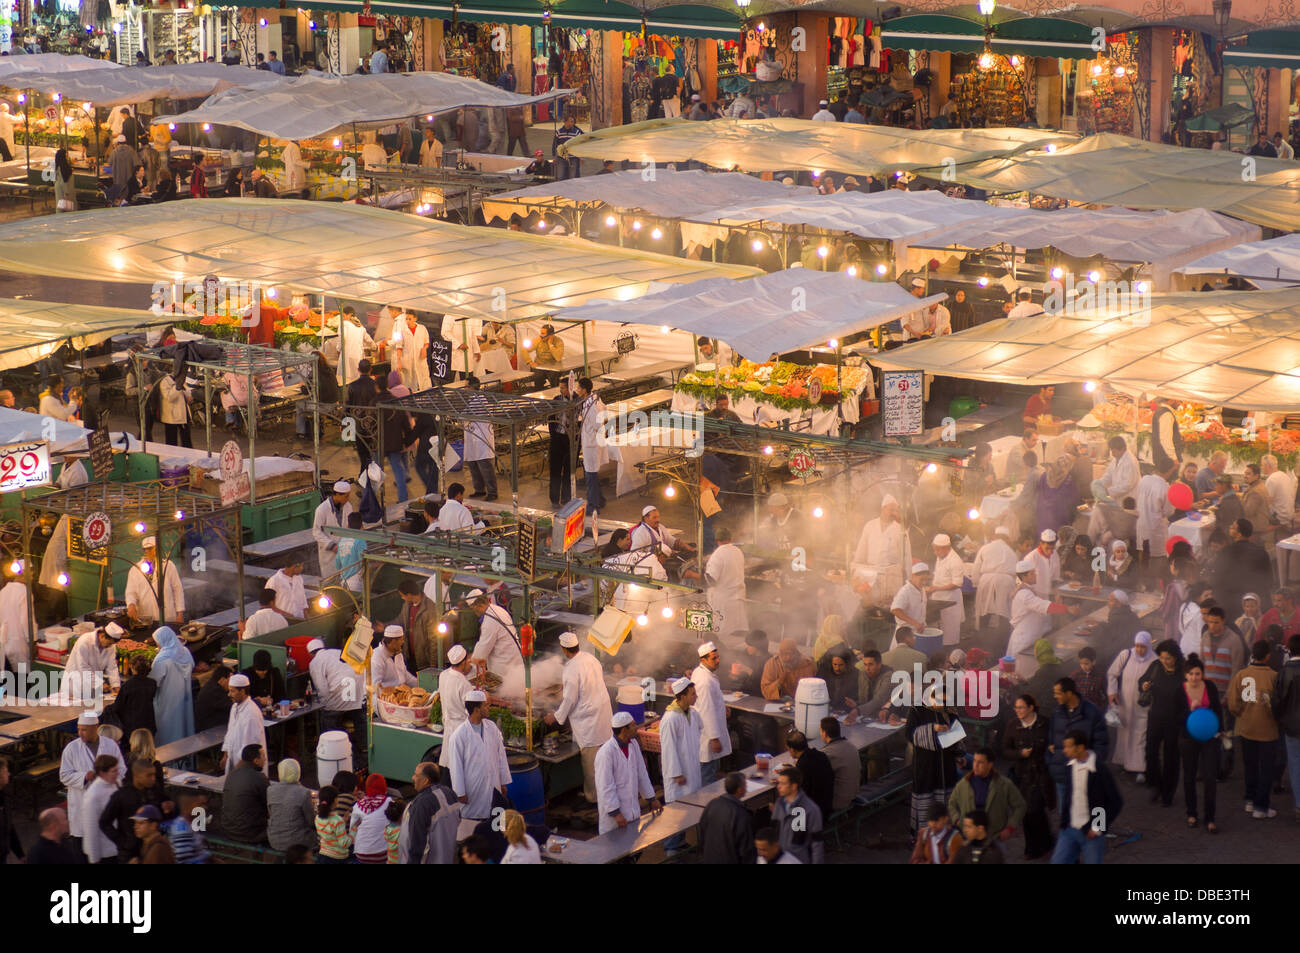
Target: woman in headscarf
[395,385]
[1122,689]
[1248,621]
[1050,671]
[934,767]
[1077,564]
[1121,568]
[368,822]
[1024,743]
[830,635]
[1057,496]
[172,668]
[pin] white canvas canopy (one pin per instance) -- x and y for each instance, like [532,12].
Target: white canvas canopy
[754,145]
[1274,263]
[32,330]
[1240,348]
[312,106]
[1159,238]
[123,87]
[345,251]
[38,65]
[17,426]
[691,194]
[1109,169]
[775,313]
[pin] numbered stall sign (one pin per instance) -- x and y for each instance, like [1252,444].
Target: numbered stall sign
[902,403]
[96,531]
[23,465]
[440,361]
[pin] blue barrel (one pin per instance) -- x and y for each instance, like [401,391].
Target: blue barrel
[526,789]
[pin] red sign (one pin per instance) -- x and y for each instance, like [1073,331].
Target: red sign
[23,465]
[96,531]
[573,527]
[802,462]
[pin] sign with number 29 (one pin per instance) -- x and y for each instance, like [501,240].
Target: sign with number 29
[23,465]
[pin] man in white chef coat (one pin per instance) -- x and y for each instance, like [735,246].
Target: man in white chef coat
[650,533]
[478,764]
[290,595]
[334,511]
[342,692]
[454,516]
[585,706]
[1119,481]
[464,337]
[265,619]
[909,603]
[724,574]
[142,592]
[412,352]
[591,420]
[244,725]
[621,777]
[883,547]
[715,739]
[994,577]
[453,686]
[497,648]
[387,666]
[1154,510]
[353,340]
[295,169]
[1047,563]
[945,588]
[14,616]
[92,659]
[480,449]
[77,765]
[679,743]
[1030,612]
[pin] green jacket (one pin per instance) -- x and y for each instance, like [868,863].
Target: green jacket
[1005,805]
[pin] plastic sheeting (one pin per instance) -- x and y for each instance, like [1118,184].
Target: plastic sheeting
[1258,262]
[18,426]
[775,313]
[1165,240]
[754,145]
[38,65]
[312,106]
[123,87]
[32,330]
[1239,348]
[1109,169]
[344,251]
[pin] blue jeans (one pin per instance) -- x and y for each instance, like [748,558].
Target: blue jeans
[398,459]
[1072,843]
[709,771]
[595,501]
[426,469]
[1257,761]
[1293,767]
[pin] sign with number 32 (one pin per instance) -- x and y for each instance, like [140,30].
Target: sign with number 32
[23,465]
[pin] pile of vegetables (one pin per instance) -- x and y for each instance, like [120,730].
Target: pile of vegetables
[779,383]
[128,650]
[292,326]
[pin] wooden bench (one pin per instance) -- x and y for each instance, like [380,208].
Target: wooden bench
[230,851]
[36,777]
[873,798]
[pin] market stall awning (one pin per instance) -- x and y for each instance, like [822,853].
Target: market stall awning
[39,65]
[1109,169]
[32,330]
[1274,263]
[756,316]
[754,145]
[311,106]
[1240,348]
[121,87]
[348,251]
[18,426]
[1278,49]
[671,19]
[1221,117]
[1028,36]
[662,192]
[1159,238]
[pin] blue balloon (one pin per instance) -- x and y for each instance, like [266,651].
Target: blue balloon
[1202,724]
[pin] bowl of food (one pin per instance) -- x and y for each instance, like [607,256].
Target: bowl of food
[404,705]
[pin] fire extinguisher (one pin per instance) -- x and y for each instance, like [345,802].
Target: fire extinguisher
[526,640]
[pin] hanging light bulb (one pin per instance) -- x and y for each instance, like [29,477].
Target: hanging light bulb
[323,602]
[16,567]
[987,60]
[1120,72]
[1058,272]
[610,221]
[180,515]
[822,251]
[1015,61]
[882,269]
[666,612]
[756,244]
[63,579]
[657,234]
[833,343]
[767,451]
[982,281]
[664,329]
[818,512]
[1096,69]
[139,527]
[852,271]
[1089,386]
[1142,287]
[338,143]
[1094,276]
[528,343]
[931,467]
[636,225]
[643,619]
[670,491]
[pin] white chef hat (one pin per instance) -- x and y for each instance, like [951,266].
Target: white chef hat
[920,568]
[149,541]
[393,632]
[1249,595]
[1048,536]
[473,594]
[1003,531]
[918,282]
[778,499]
[315,645]
[342,486]
[648,510]
[887,500]
[680,685]
[120,138]
[475,696]
[114,631]
[1120,596]
[1025,565]
[456,655]
[88,718]
[569,640]
[941,540]
[705,648]
[239,680]
[620,720]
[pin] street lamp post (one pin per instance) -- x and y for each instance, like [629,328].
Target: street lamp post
[1222,16]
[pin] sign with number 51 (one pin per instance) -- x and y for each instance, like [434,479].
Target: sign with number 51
[23,465]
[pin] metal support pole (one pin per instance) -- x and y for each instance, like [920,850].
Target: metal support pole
[207,405]
[252,436]
[528,677]
[586,368]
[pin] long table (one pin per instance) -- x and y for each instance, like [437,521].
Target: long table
[36,718]
[649,830]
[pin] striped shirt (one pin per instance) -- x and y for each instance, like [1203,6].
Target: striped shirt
[392,837]
[335,840]
[188,846]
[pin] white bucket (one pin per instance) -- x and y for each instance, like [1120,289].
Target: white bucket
[812,703]
[333,754]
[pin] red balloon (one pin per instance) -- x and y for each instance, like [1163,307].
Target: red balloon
[1169,544]
[1180,496]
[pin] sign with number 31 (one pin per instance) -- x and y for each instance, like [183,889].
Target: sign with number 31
[23,465]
